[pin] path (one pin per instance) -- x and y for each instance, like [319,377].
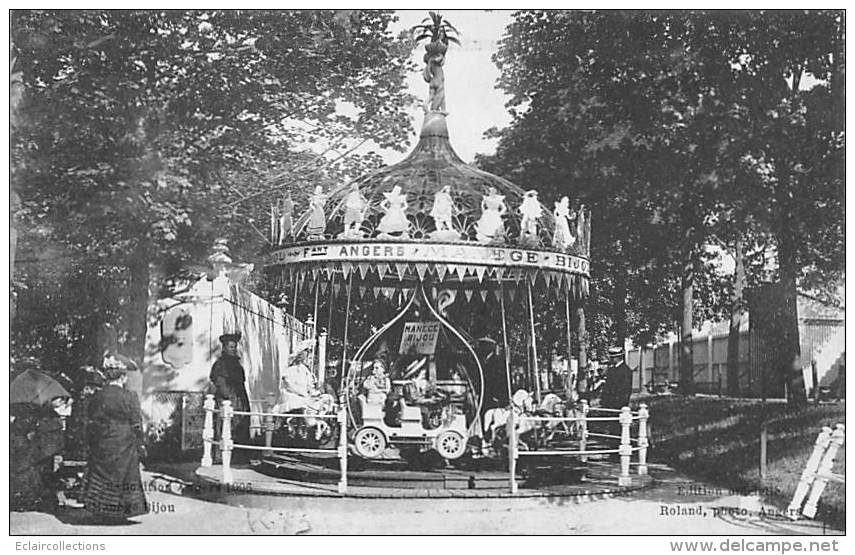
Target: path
[674,506]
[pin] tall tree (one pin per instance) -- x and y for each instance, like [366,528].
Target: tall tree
[141,129]
[778,72]
[675,127]
[604,105]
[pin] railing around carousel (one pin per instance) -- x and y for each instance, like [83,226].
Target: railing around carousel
[227,445]
[625,416]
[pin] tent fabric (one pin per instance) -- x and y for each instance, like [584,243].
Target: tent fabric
[210,309]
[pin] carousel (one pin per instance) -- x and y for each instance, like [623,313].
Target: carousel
[433,238]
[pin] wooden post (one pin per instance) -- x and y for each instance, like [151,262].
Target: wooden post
[294,291]
[506,353]
[809,472]
[344,364]
[824,470]
[568,385]
[582,338]
[764,438]
[814,377]
[710,354]
[208,431]
[643,415]
[583,430]
[322,359]
[511,427]
[625,449]
[313,322]
[533,345]
[226,443]
[670,360]
[311,329]
[269,423]
[342,446]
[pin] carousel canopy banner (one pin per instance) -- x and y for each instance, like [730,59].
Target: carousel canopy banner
[431,219]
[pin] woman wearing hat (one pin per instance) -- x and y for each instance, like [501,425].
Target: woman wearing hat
[298,382]
[229,379]
[112,488]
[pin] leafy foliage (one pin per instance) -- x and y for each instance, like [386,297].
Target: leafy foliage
[436,29]
[145,134]
[679,130]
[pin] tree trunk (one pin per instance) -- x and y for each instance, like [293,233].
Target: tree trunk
[686,356]
[737,311]
[790,358]
[789,355]
[136,318]
[14,207]
[620,309]
[16,91]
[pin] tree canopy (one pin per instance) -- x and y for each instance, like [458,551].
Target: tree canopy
[680,130]
[142,135]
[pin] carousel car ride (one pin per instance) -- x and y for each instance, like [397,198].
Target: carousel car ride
[449,438]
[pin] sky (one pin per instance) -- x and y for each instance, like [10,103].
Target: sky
[473,102]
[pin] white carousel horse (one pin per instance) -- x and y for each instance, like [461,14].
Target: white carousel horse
[315,405]
[521,403]
[553,405]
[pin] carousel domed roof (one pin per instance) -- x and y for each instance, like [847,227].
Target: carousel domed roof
[432,165]
[431,216]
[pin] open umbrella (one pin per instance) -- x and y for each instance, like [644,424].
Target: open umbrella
[35,387]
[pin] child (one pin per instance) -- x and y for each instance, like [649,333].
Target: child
[377,386]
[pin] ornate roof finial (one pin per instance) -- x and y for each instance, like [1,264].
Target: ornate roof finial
[439,31]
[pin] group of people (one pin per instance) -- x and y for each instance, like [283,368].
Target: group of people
[609,388]
[377,390]
[299,391]
[106,429]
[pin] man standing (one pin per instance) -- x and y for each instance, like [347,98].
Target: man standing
[229,379]
[617,387]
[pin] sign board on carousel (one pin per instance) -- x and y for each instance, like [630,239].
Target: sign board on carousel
[428,253]
[419,337]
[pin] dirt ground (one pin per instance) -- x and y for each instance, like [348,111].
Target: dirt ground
[673,506]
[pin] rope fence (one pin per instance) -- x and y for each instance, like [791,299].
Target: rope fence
[227,445]
[624,416]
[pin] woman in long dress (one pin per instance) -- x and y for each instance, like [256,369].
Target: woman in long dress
[112,488]
[490,226]
[317,219]
[394,219]
[562,239]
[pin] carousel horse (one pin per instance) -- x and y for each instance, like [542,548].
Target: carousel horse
[298,426]
[553,405]
[496,419]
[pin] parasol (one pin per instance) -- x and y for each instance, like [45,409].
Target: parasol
[35,387]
